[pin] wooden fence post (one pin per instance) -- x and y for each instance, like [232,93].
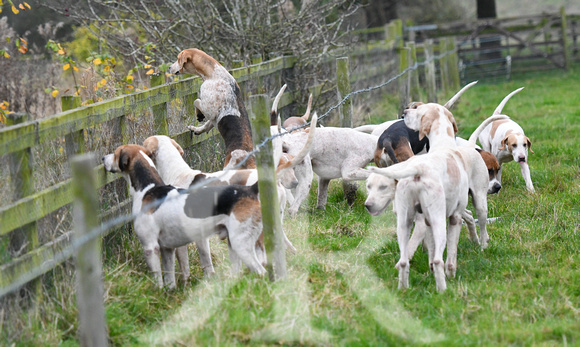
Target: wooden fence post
[89,285]
[430,71]
[342,90]
[453,64]
[75,141]
[345,115]
[160,126]
[415,92]
[565,44]
[271,223]
[399,40]
[443,66]
[22,179]
[404,80]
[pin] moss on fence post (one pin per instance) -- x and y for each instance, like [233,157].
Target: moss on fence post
[430,77]
[272,225]
[404,80]
[443,66]
[160,126]
[75,141]
[453,64]
[415,90]
[21,164]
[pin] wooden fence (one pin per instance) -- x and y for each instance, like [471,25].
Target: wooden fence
[494,48]
[36,186]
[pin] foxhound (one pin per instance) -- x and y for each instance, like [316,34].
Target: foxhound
[506,140]
[220,101]
[167,218]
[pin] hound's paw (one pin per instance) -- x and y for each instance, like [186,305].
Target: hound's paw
[195,130]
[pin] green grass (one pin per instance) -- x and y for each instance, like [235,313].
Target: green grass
[342,285]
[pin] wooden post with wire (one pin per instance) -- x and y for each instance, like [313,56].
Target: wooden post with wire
[271,222]
[430,77]
[345,115]
[160,126]
[453,64]
[443,65]
[414,88]
[89,283]
[404,80]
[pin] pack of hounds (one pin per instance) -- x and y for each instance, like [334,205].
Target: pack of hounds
[422,167]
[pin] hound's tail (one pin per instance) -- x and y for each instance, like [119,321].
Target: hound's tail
[482,126]
[505,100]
[397,171]
[456,97]
[366,128]
[308,108]
[274,113]
[305,150]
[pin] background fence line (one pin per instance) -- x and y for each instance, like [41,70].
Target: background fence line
[75,127]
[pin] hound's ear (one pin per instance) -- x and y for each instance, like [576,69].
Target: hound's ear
[503,143]
[151,144]
[176,145]
[183,57]
[124,160]
[452,120]
[529,144]
[426,123]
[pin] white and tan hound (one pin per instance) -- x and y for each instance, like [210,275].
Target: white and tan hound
[168,217]
[506,140]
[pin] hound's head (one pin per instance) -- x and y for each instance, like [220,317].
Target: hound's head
[492,169]
[381,191]
[193,61]
[286,174]
[518,145]
[161,145]
[426,118]
[125,157]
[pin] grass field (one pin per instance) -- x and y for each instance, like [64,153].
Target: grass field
[342,285]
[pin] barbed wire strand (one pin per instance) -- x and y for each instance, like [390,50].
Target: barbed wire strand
[79,241]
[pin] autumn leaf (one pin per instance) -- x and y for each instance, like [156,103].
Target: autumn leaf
[75,68]
[27,5]
[61,52]
[107,68]
[149,72]
[66,67]
[54,93]
[22,49]
[6,55]
[21,7]
[15,10]
[129,78]
[97,61]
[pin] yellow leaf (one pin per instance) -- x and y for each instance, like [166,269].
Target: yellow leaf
[97,61]
[130,87]
[14,10]
[75,68]
[103,81]
[60,150]
[113,61]
[66,67]
[54,93]
[22,49]
[21,7]
[61,52]
[147,66]
[149,72]
[27,5]
[129,78]
[107,68]
[6,55]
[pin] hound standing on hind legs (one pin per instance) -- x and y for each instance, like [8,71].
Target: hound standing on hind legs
[220,101]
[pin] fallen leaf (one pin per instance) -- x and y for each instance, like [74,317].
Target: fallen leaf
[66,67]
